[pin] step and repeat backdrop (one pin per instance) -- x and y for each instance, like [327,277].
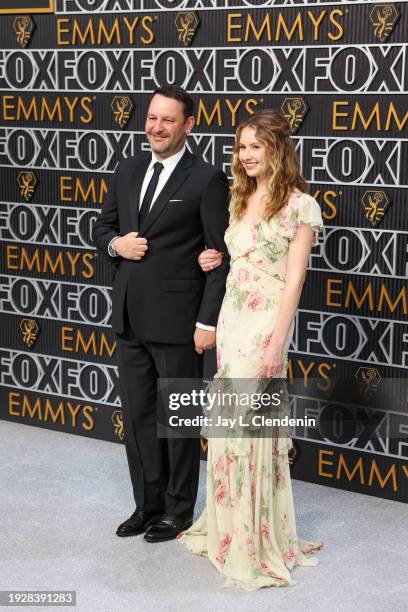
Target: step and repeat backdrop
[75,80]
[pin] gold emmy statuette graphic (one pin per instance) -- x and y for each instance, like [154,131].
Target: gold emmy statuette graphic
[292,454]
[117,420]
[384,17]
[27,182]
[375,203]
[204,444]
[23,27]
[187,26]
[30,330]
[294,110]
[122,107]
[369,379]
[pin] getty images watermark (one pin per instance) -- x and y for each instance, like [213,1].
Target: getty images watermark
[225,408]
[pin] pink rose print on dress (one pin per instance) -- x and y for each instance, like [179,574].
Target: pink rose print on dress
[250,546]
[266,534]
[221,494]
[255,234]
[230,459]
[265,570]
[220,464]
[254,300]
[290,556]
[286,222]
[279,476]
[218,358]
[223,548]
[242,276]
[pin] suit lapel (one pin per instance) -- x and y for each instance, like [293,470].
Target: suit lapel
[176,179]
[136,181]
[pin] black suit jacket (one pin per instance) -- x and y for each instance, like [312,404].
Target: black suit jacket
[167,292]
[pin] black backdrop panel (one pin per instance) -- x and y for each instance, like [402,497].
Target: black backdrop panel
[74,90]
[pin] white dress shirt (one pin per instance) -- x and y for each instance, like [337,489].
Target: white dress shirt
[169,165]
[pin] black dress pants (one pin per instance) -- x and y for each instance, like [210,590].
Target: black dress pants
[164,471]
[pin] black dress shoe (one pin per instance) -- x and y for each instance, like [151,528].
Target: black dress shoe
[167,528]
[137,523]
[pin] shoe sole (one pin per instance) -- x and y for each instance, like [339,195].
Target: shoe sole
[139,532]
[154,540]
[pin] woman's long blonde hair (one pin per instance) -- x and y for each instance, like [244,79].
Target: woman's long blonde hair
[283,169]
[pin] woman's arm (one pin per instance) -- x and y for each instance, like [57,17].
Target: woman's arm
[298,258]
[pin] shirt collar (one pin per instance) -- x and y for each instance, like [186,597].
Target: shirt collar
[170,162]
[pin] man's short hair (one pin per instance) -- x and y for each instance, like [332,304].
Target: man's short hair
[180,94]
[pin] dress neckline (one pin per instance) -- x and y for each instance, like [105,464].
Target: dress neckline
[296,193]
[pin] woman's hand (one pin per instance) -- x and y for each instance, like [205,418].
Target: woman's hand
[210,259]
[273,360]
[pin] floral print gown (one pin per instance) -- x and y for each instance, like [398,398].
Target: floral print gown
[248,528]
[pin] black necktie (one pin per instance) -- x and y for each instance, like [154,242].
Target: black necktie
[148,197]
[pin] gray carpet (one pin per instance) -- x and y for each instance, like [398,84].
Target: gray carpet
[62,497]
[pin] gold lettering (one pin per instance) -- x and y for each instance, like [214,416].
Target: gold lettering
[338,25]
[233,26]
[73,260]
[145,21]
[392,113]
[330,292]
[87,261]
[342,465]
[233,110]
[74,412]
[87,413]
[55,415]
[202,113]
[325,462]
[383,481]
[65,338]
[109,36]
[62,30]
[351,292]
[89,33]
[401,297]
[54,265]
[316,23]
[10,255]
[336,114]
[131,27]
[250,25]
[14,400]
[297,25]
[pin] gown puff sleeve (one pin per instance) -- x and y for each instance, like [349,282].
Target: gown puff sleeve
[302,209]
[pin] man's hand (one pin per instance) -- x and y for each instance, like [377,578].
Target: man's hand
[131,246]
[203,340]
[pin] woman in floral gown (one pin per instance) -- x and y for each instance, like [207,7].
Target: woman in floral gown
[248,528]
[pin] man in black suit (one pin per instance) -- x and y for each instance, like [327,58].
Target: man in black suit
[162,209]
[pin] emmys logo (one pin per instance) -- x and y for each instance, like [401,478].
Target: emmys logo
[117,420]
[27,182]
[369,379]
[294,110]
[384,17]
[30,331]
[292,454]
[375,203]
[122,107]
[23,27]
[187,26]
